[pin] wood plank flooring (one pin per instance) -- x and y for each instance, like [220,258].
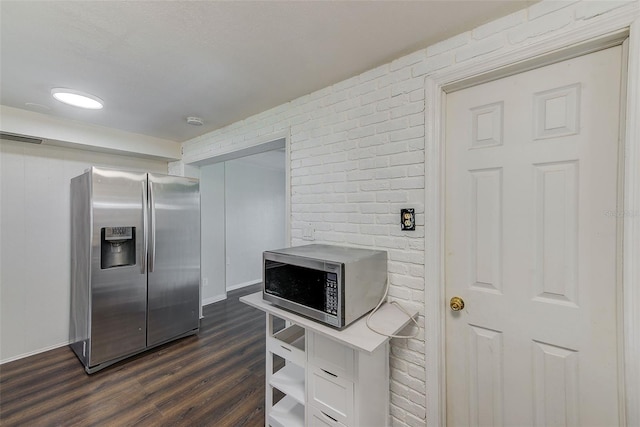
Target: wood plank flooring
[213,379]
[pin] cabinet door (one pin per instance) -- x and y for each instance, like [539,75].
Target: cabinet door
[332,394]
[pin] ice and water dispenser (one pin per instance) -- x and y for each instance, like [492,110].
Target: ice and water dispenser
[118,246]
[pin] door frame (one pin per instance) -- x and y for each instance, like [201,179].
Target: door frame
[610,31]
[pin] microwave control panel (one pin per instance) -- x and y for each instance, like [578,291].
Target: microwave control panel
[331,294]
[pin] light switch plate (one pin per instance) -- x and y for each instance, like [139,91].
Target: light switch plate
[308,233]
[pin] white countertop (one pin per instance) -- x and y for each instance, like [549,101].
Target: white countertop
[388,319]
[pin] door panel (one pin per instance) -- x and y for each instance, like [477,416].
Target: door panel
[531,170]
[486,222]
[118,294]
[485,377]
[556,233]
[174,257]
[555,384]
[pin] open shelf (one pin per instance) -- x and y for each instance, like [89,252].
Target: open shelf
[287,413]
[290,381]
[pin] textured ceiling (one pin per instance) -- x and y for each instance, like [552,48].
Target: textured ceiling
[156,63]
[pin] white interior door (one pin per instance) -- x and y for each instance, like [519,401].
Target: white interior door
[531,172]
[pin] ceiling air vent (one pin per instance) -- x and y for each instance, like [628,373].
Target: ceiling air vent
[20,138]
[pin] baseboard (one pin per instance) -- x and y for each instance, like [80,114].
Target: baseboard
[31,353]
[243,285]
[213,299]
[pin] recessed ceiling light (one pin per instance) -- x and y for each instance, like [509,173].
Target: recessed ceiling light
[77,98]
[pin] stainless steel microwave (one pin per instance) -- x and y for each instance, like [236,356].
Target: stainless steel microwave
[334,285]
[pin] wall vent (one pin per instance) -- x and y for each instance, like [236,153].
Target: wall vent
[20,138]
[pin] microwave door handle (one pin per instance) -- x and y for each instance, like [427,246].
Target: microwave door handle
[145,228]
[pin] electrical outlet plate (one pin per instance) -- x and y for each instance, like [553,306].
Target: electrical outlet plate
[408,219]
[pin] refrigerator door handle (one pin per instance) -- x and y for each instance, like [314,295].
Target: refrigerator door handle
[145,228]
[152,234]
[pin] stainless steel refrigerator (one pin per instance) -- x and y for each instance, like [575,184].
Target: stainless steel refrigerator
[135,263]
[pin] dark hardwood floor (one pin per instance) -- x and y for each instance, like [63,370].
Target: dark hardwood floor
[214,379]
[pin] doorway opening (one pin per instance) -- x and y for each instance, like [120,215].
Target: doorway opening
[244,212]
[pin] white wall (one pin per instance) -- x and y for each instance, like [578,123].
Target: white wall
[213,233]
[255,217]
[35,244]
[357,157]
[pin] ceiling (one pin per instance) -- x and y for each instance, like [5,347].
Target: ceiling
[154,63]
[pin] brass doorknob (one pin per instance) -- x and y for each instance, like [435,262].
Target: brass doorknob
[456,304]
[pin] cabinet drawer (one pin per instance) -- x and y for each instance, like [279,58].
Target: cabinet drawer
[317,418]
[331,356]
[331,394]
[288,344]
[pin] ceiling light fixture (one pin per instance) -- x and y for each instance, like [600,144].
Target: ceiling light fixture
[77,98]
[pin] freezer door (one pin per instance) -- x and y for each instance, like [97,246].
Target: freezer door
[174,257]
[118,289]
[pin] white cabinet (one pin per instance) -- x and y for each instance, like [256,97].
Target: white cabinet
[328,377]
